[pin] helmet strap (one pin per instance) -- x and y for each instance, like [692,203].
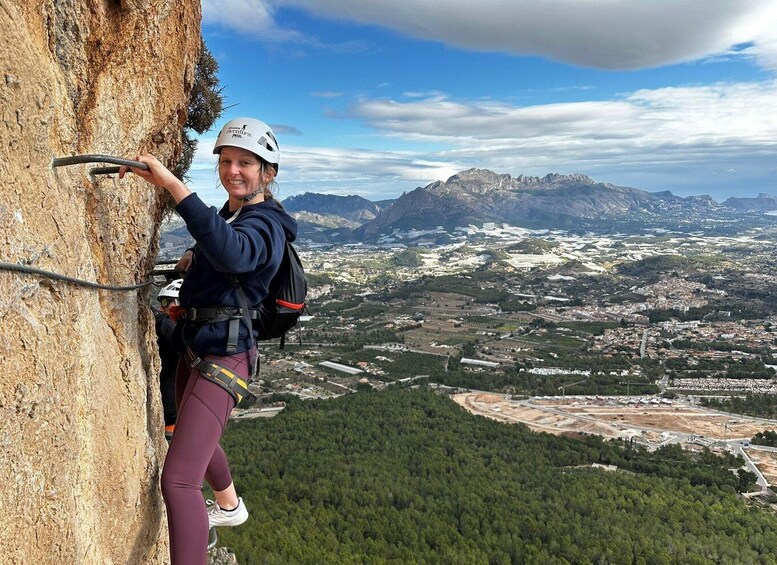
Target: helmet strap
[256,192]
[253,195]
[243,200]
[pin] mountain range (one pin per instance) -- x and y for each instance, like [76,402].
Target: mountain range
[332,210]
[478,196]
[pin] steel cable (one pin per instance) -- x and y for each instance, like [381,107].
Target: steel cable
[58,277]
[74,160]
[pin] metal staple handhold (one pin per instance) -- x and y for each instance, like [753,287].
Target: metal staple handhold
[104,170]
[92,158]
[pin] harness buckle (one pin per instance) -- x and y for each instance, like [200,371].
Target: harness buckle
[194,361]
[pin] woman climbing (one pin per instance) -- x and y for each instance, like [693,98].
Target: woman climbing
[238,247]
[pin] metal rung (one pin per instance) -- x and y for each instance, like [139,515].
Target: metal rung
[94,158]
[104,170]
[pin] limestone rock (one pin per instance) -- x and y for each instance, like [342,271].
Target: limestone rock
[80,417]
[221,556]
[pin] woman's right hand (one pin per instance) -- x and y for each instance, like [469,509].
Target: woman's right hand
[158,175]
[184,262]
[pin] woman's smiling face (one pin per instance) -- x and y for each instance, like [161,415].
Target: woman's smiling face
[240,172]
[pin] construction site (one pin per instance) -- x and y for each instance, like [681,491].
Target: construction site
[650,421]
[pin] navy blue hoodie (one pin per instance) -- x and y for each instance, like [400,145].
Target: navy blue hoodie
[251,248]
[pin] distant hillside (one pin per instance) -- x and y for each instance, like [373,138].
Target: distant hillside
[332,211]
[476,196]
[764,203]
[479,196]
[324,220]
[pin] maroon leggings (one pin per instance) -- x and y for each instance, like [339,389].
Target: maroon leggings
[194,454]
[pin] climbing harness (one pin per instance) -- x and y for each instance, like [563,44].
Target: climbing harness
[222,314]
[234,384]
[226,379]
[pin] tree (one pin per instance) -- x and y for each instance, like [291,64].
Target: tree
[407,258]
[746,479]
[206,103]
[407,476]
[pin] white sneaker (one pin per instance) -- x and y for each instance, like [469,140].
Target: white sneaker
[218,517]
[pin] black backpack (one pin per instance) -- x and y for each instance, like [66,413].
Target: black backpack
[280,310]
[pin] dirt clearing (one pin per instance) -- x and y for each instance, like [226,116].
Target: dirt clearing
[651,420]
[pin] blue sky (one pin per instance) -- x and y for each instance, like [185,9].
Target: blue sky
[376,98]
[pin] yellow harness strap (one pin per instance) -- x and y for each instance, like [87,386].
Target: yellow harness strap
[234,384]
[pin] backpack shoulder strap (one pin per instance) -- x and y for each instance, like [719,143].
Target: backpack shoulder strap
[235,324]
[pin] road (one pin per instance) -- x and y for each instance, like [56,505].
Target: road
[643,345]
[737,448]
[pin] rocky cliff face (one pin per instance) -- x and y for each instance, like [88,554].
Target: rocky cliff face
[80,417]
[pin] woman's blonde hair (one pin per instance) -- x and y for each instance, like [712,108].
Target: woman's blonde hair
[268,186]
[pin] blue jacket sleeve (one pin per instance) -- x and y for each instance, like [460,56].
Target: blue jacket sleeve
[230,249]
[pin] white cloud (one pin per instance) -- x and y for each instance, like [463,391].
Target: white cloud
[316,164]
[372,174]
[720,116]
[256,19]
[248,17]
[764,48]
[691,136]
[429,94]
[332,170]
[609,34]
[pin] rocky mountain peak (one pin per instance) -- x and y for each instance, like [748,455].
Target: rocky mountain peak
[556,178]
[476,195]
[472,181]
[483,181]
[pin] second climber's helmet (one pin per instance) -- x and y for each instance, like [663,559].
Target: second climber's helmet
[171,290]
[252,135]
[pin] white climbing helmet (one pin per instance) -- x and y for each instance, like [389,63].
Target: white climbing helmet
[171,290]
[252,135]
